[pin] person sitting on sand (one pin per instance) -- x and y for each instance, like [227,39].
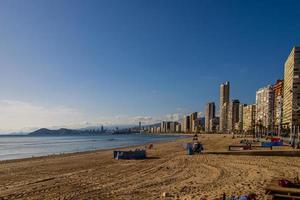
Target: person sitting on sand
[197,147]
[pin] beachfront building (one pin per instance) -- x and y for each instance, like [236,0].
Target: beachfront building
[224,101]
[278,104]
[239,125]
[173,127]
[249,113]
[233,115]
[186,124]
[168,127]
[178,128]
[214,124]
[200,124]
[265,109]
[210,110]
[291,89]
[163,127]
[193,118]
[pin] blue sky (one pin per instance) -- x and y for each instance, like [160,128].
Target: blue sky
[117,61]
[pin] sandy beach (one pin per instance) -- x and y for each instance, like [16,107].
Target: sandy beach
[96,175]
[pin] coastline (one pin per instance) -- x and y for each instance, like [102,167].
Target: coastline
[90,150]
[96,175]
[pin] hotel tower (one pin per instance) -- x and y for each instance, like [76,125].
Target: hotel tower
[291,89]
[224,103]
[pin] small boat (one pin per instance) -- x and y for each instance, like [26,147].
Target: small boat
[136,154]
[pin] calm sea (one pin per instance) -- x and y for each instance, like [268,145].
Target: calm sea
[14,147]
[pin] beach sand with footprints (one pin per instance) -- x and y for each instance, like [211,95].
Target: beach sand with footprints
[168,173]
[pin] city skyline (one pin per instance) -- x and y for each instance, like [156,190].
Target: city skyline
[148,62]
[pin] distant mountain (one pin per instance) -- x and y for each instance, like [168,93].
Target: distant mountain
[64,132]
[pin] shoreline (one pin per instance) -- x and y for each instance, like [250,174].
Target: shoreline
[82,152]
[168,169]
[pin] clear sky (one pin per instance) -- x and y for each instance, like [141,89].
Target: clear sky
[76,63]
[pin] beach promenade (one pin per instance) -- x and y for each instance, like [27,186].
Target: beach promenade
[95,175]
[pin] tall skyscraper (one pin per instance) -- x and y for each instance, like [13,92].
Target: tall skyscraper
[291,89]
[224,101]
[186,124]
[265,108]
[193,118]
[233,114]
[209,115]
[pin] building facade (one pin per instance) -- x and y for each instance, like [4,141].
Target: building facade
[173,127]
[224,102]
[214,124]
[291,89]
[193,118]
[265,108]
[210,111]
[249,113]
[233,115]
[178,128]
[278,104]
[186,124]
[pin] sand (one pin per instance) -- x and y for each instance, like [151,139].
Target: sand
[95,175]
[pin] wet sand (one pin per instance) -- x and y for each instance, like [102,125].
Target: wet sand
[95,175]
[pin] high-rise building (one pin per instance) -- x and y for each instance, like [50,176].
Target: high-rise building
[193,118]
[168,127]
[178,128]
[265,108]
[278,102]
[224,101]
[173,127]
[214,124]
[209,115]
[249,113]
[186,124]
[291,89]
[233,114]
[163,127]
[239,125]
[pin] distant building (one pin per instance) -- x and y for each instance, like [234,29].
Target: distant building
[233,114]
[178,128]
[186,124]
[291,89]
[210,111]
[168,127]
[173,127]
[239,126]
[200,124]
[224,101]
[163,127]
[278,104]
[214,124]
[193,117]
[249,113]
[265,108]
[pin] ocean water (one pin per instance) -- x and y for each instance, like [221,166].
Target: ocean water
[14,147]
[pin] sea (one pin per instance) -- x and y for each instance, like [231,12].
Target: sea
[16,147]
